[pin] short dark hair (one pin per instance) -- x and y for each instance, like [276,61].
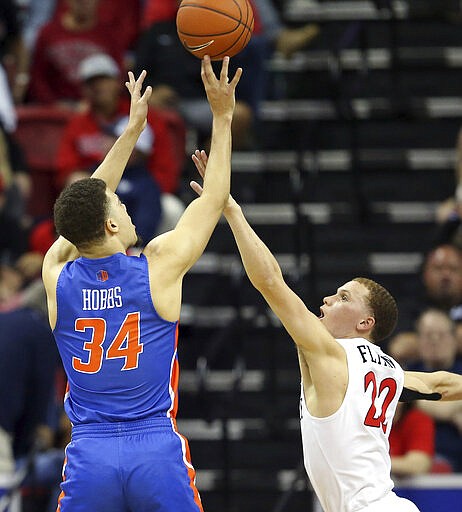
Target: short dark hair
[383,306]
[80,212]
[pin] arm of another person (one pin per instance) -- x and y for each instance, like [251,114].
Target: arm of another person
[172,254]
[266,276]
[110,171]
[413,462]
[446,384]
[322,360]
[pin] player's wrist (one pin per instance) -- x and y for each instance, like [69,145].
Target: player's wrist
[232,207]
[225,117]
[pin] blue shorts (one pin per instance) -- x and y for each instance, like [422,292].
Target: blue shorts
[137,466]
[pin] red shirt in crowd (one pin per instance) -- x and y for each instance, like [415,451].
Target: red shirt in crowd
[85,143]
[122,15]
[415,430]
[58,53]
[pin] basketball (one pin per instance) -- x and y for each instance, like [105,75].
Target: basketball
[218,28]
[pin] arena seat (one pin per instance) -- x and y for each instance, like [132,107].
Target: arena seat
[38,133]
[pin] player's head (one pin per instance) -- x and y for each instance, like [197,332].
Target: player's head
[360,308]
[87,214]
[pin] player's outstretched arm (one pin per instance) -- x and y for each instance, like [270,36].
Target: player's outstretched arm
[112,167]
[446,384]
[181,247]
[266,276]
[110,170]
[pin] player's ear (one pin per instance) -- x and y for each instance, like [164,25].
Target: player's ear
[366,324]
[112,226]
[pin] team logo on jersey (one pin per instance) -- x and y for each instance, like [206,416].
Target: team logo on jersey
[102,275]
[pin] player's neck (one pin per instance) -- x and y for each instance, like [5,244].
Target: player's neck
[107,248]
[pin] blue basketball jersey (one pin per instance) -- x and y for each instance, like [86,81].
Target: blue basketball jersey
[119,355]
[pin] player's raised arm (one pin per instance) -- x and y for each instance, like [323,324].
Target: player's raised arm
[266,276]
[181,247]
[112,167]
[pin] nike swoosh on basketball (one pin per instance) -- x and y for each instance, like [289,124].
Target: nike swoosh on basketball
[199,47]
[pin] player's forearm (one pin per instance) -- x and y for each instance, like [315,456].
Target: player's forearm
[260,265]
[217,180]
[448,384]
[112,167]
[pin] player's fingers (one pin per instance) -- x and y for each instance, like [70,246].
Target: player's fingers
[199,164]
[224,70]
[141,78]
[147,93]
[203,74]
[204,157]
[208,70]
[236,77]
[196,187]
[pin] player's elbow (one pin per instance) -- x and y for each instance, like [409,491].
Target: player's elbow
[267,282]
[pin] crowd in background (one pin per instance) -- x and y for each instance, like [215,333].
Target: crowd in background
[72,56]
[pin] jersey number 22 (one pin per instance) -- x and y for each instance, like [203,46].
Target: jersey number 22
[388,388]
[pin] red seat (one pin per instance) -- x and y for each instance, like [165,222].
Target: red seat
[39,133]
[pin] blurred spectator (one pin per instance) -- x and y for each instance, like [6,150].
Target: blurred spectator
[38,13]
[62,45]
[122,15]
[14,61]
[412,441]
[441,277]
[21,285]
[449,213]
[28,362]
[90,135]
[285,40]
[15,191]
[437,348]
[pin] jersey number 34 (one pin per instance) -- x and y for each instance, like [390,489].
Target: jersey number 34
[125,345]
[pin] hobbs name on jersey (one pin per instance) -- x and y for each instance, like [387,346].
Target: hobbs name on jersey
[96,300]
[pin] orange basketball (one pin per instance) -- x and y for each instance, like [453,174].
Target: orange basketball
[217,28]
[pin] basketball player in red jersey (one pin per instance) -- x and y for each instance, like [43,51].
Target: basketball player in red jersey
[115,321]
[350,388]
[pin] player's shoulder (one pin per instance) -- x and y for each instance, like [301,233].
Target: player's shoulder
[157,246]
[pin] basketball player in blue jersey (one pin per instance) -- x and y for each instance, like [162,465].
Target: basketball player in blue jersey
[350,388]
[115,321]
